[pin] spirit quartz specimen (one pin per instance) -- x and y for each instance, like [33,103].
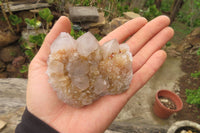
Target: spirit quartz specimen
[81,71]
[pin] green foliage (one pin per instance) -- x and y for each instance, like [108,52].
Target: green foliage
[34,23]
[26,46]
[15,20]
[86,3]
[24,69]
[195,75]
[76,34]
[197,4]
[37,39]
[168,44]
[198,52]
[166,5]
[136,10]
[193,96]
[29,53]
[46,15]
[31,50]
[149,3]
[98,37]
[151,12]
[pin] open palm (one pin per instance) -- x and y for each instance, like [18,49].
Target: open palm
[145,41]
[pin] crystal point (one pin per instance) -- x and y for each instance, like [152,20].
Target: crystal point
[87,44]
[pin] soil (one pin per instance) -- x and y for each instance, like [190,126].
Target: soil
[167,103]
[190,64]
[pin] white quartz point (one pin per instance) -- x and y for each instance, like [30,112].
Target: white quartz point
[86,44]
[63,42]
[124,47]
[109,48]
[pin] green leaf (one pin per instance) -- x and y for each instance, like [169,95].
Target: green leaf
[45,13]
[198,51]
[24,69]
[30,54]
[26,46]
[31,22]
[15,19]
[37,39]
[49,18]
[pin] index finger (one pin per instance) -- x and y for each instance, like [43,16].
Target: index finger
[125,30]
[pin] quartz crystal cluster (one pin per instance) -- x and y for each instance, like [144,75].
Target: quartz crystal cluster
[81,71]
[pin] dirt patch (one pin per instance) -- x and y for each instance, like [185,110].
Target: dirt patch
[190,64]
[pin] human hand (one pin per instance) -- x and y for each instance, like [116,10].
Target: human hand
[146,40]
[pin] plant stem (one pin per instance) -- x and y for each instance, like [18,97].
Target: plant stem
[47,27]
[8,8]
[6,17]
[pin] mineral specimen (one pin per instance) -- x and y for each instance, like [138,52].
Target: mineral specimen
[81,71]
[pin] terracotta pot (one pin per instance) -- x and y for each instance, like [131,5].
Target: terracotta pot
[160,110]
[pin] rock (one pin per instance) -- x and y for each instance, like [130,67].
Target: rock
[11,68]
[2,66]
[2,124]
[18,61]
[7,38]
[116,22]
[83,14]
[191,43]
[196,32]
[3,75]
[131,15]
[101,22]
[94,31]
[12,102]
[7,54]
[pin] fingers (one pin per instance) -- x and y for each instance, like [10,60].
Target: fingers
[152,46]
[62,25]
[147,32]
[125,30]
[146,72]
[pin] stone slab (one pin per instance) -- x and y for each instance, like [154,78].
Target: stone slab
[131,15]
[2,124]
[25,6]
[83,14]
[12,102]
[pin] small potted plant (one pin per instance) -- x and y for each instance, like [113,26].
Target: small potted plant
[166,103]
